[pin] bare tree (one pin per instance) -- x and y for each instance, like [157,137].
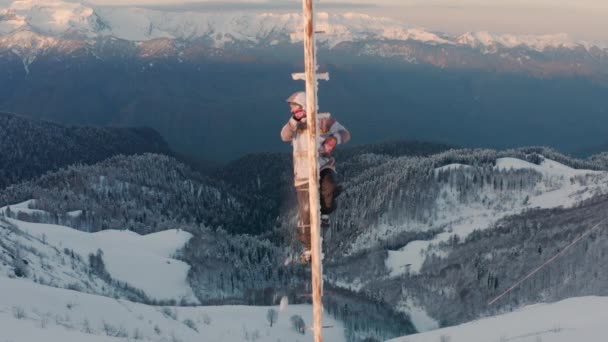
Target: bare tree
[272,315]
[298,324]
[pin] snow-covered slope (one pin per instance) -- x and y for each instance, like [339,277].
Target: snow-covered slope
[60,18]
[31,257]
[128,257]
[32,312]
[574,319]
[23,207]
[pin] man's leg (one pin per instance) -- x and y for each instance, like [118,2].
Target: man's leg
[328,193]
[303,216]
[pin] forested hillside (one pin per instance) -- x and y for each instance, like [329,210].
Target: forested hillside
[143,193]
[417,233]
[31,147]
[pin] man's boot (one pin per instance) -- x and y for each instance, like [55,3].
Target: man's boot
[324,222]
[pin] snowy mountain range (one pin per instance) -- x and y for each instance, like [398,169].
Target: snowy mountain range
[59,18]
[32,27]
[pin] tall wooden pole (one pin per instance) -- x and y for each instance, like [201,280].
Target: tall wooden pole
[313,160]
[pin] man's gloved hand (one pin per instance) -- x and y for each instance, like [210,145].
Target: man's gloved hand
[329,144]
[299,114]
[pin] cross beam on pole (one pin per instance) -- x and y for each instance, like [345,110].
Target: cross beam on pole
[313,160]
[302,76]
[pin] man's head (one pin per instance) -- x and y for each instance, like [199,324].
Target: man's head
[297,99]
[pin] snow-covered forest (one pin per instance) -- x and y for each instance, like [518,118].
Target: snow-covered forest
[423,238]
[31,147]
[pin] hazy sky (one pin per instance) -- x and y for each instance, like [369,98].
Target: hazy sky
[581,19]
[443,3]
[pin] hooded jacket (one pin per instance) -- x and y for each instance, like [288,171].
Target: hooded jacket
[296,132]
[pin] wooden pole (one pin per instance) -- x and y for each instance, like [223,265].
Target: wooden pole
[313,160]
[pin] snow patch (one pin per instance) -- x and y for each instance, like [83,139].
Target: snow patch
[574,319]
[355,285]
[450,167]
[75,213]
[23,207]
[420,318]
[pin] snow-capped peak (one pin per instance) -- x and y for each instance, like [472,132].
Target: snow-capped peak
[489,41]
[51,17]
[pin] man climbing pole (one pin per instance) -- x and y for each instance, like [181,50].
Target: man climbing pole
[330,134]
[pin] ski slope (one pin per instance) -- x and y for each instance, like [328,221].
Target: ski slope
[32,312]
[581,319]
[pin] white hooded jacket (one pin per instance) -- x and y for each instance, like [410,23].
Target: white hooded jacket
[296,132]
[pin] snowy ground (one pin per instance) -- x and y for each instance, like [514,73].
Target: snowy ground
[580,319]
[421,320]
[32,312]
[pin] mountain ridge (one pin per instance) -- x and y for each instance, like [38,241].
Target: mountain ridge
[66,22]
